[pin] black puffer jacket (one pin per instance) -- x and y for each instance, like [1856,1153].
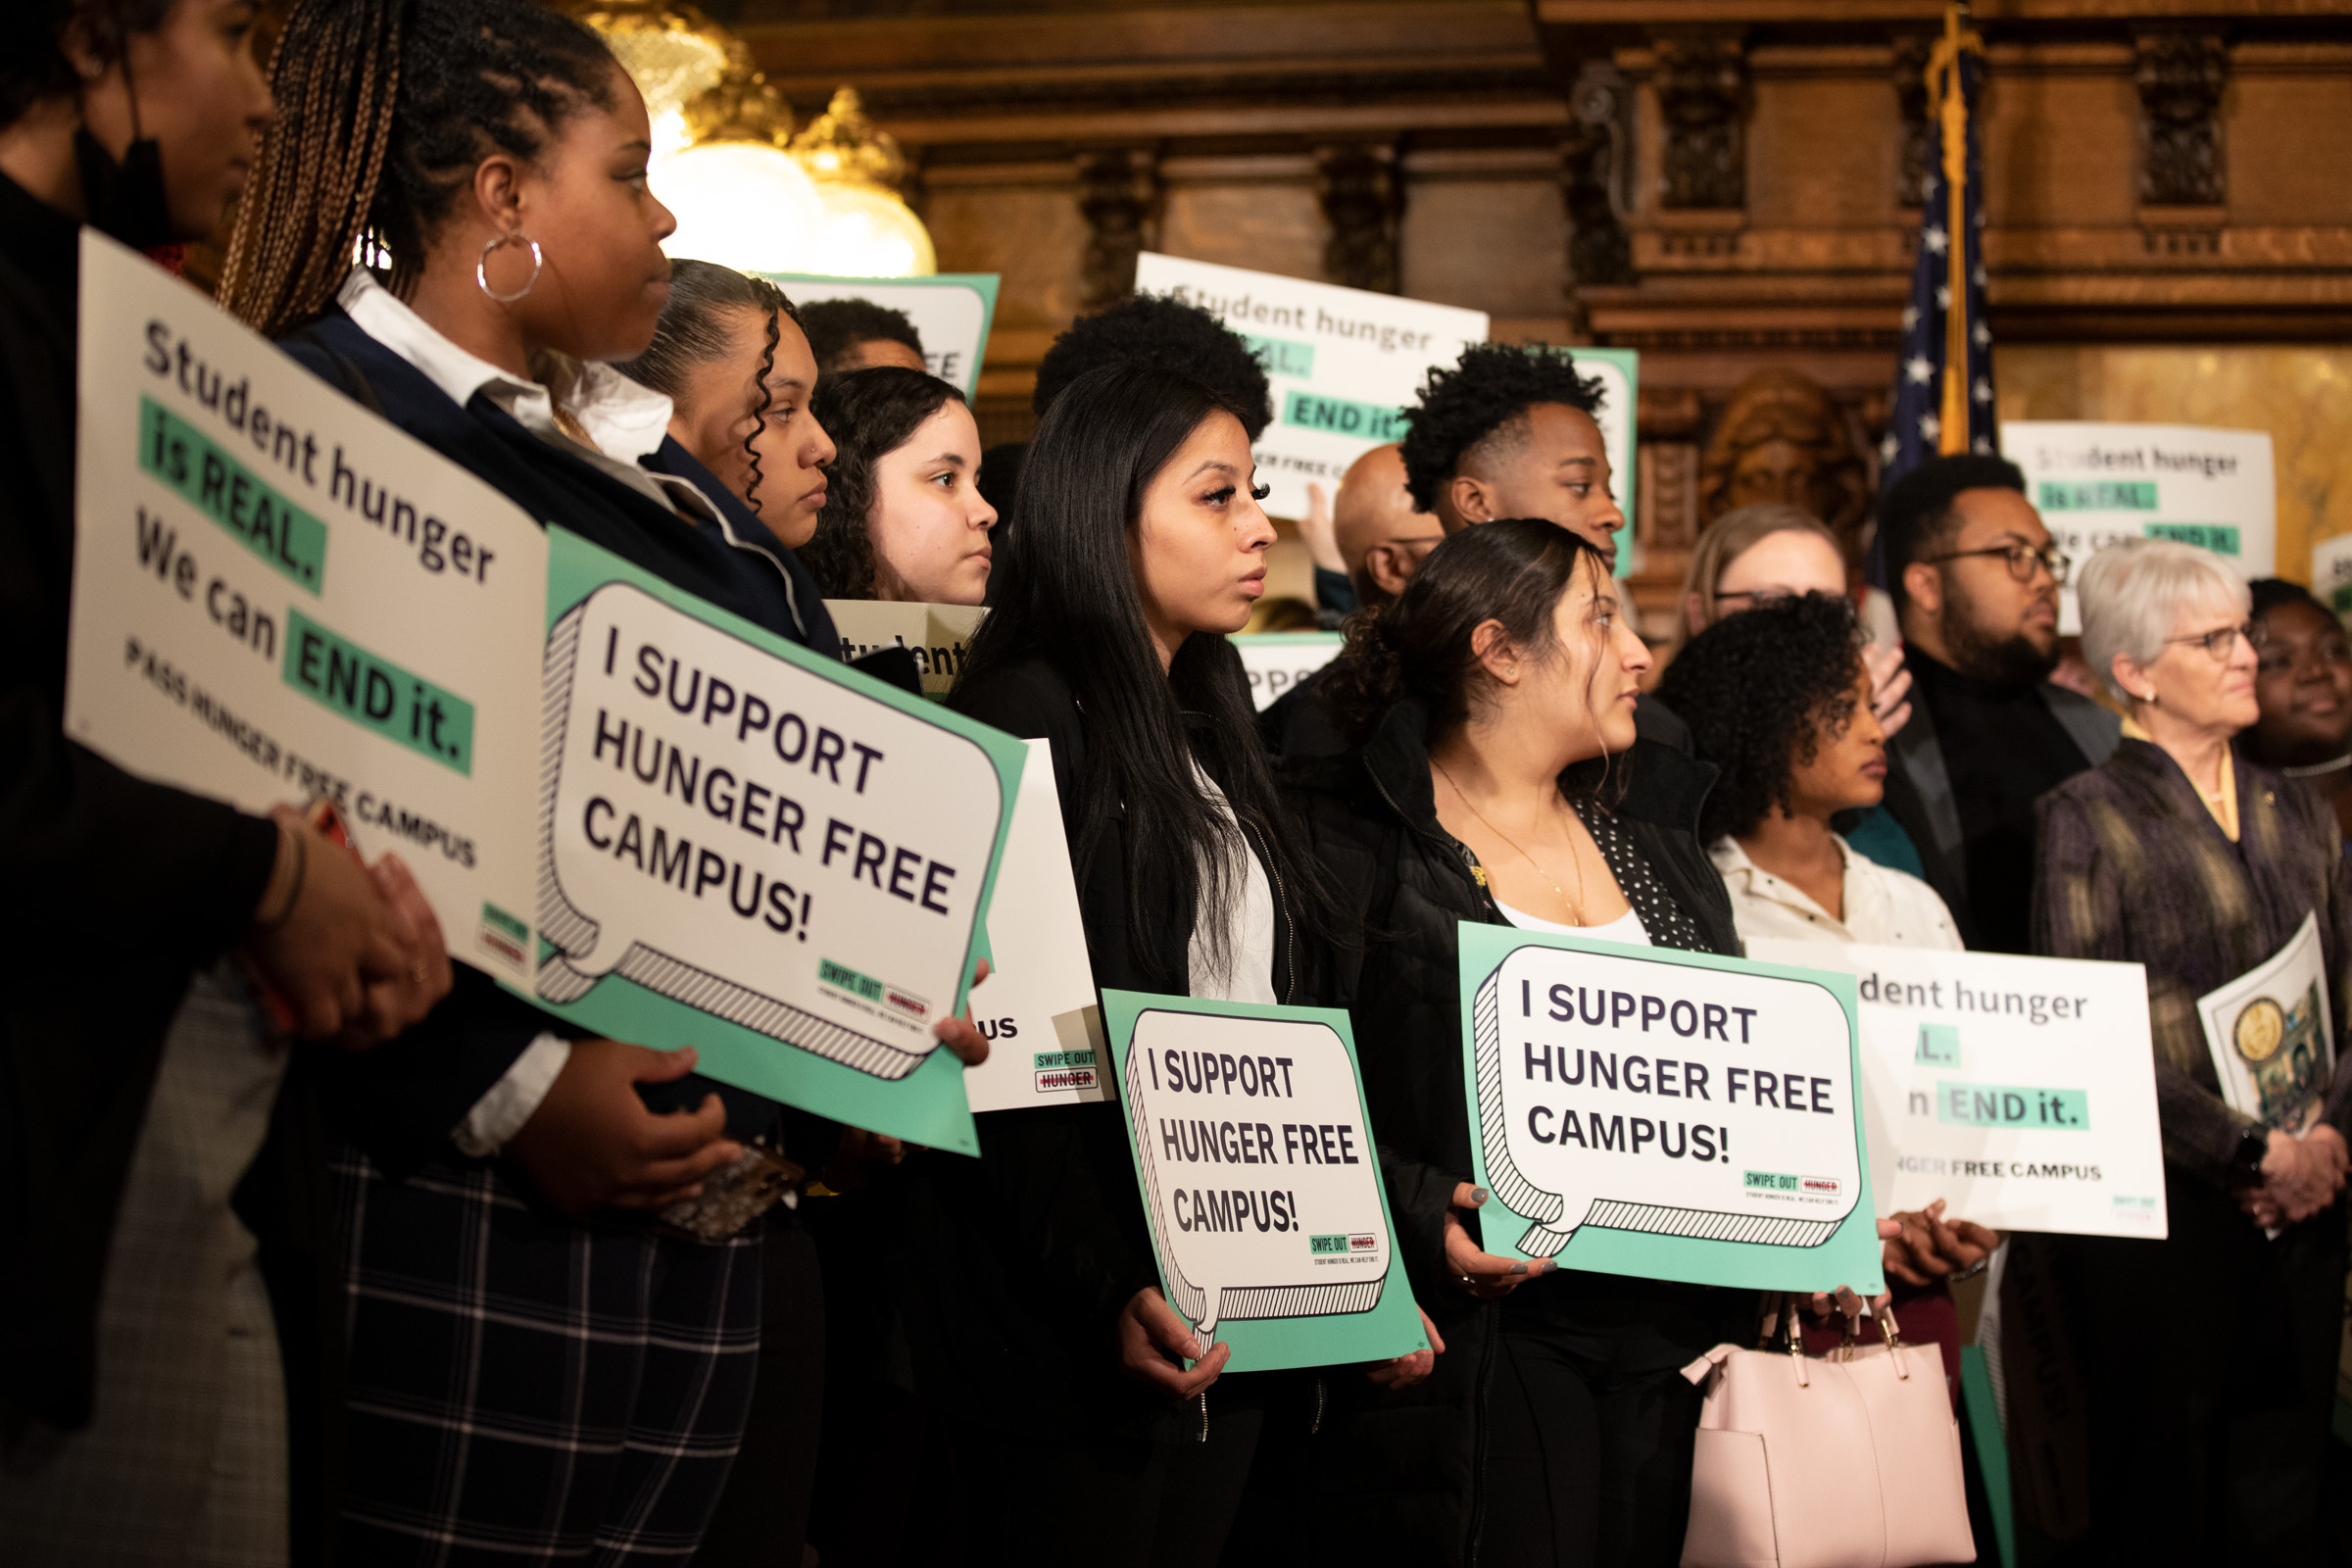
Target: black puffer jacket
[1412,1460]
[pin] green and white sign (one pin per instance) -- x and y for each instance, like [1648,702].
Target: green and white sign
[2094,484]
[755,849]
[1667,1115]
[637,811]
[1343,363]
[2021,1091]
[1619,371]
[950,312]
[1261,1179]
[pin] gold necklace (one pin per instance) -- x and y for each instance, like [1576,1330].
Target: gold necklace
[1575,904]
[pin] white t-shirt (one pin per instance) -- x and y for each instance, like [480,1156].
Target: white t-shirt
[1625,928]
[1247,974]
[1883,906]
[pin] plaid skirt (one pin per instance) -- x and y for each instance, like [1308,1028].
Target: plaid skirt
[526,1389]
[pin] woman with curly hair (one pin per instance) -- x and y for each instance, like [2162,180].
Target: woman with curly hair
[904,518]
[1780,698]
[730,356]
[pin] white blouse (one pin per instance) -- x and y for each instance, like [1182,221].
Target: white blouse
[1625,928]
[1247,973]
[1883,906]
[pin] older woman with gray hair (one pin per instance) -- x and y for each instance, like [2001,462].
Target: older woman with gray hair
[2208,1357]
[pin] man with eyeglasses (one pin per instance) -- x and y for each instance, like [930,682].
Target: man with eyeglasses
[1975,579]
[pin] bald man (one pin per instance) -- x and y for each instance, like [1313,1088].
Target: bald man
[1380,537]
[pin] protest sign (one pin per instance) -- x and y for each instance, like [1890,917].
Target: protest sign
[2331,572]
[277,596]
[2094,484]
[659,823]
[937,635]
[1261,1180]
[1038,1007]
[1668,1115]
[2021,1091]
[754,848]
[1343,363]
[950,312]
[2273,1036]
[1279,660]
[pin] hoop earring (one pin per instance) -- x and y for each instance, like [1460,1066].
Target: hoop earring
[481,264]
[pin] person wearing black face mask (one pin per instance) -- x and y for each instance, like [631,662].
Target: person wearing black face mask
[162,1395]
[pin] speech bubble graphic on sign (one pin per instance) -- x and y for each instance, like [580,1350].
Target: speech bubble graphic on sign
[1663,1113]
[753,840]
[1260,1178]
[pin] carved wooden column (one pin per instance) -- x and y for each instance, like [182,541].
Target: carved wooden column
[1911,102]
[2184,182]
[1597,154]
[1701,83]
[1119,196]
[1362,195]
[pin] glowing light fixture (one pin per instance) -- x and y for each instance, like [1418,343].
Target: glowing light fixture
[720,132]
[867,231]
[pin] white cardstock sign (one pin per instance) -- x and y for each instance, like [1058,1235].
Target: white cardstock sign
[2094,484]
[1637,1110]
[1258,1169]
[1281,661]
[2021,1091]
[711,834]
[279,596]
[1344,362]
[937,635]
[1038,1006]
[950,312]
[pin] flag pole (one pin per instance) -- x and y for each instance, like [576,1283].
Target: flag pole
[1946,89]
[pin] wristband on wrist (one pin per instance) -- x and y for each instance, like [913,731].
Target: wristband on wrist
[264,924]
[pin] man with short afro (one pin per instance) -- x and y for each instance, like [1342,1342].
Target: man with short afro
[856,334]
[1510,433]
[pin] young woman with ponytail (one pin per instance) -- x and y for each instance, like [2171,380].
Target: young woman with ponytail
[1491,709]
[535,1366]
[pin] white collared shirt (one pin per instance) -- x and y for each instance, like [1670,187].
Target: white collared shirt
[625,419]
[1883,906]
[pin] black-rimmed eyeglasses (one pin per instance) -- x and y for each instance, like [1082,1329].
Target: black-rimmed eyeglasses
[2022,560]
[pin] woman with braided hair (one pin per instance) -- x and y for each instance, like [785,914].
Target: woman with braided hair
[536,1367]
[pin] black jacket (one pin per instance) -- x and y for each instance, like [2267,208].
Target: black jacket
[400,1102]
[1371,818]
[116,888]
[1047,1228]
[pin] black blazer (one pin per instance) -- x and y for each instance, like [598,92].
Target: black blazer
[399,1102]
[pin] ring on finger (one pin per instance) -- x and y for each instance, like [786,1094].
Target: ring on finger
[416,973]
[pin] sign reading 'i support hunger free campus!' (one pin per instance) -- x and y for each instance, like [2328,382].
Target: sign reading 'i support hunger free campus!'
[639,811]
[1261,1180]
[1667,1115]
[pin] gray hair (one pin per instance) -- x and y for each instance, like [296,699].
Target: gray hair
[2133,594]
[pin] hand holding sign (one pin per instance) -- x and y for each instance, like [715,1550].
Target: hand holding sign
[1260,1179]
[1667,1115]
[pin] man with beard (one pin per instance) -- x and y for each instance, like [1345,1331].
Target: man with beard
[1976,580]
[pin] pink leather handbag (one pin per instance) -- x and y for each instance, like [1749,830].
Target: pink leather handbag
[1850,1460]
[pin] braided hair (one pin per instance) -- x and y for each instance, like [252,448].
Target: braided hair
[693,331]
[385,108]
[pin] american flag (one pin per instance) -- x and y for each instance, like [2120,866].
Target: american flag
[1943,385]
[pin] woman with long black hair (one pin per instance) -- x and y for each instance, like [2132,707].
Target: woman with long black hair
[1495,777]
[536,1367]
[1080,1405]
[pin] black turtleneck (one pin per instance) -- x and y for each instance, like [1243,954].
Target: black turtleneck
[2004,749]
